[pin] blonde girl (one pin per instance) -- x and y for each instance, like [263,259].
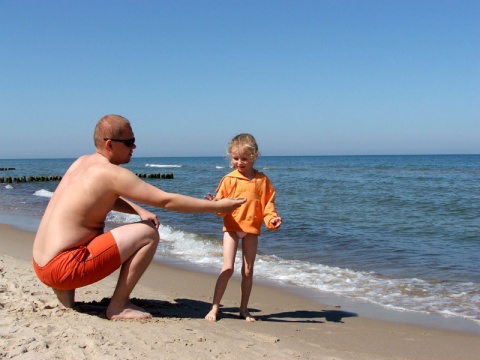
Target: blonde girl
[246,221]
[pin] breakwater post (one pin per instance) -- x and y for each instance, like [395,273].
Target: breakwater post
[155,176]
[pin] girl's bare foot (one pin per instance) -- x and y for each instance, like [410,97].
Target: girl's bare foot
[130,312]
[247,316]
[211,316]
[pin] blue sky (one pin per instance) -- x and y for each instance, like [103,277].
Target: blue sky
[335,77]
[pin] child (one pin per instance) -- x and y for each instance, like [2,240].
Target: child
[245,222]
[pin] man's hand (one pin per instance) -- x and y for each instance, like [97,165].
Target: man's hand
[148,215]
[227,205]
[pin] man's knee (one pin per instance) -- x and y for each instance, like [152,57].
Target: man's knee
[152,232]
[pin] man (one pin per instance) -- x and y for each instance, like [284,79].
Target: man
[71,249]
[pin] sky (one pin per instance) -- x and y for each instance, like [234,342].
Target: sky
[305,77]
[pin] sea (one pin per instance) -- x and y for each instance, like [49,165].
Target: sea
[395,237]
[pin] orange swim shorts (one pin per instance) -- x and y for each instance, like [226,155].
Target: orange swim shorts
[82,265]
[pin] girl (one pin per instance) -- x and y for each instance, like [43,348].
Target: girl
[245,222]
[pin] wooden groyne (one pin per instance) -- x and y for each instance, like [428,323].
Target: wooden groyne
[28,179]
[155,176]
[25,179]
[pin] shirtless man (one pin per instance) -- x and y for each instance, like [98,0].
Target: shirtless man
[71,249]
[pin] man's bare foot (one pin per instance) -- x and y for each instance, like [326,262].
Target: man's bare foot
[65,297]
[211,316]
[129,312]
[247,316]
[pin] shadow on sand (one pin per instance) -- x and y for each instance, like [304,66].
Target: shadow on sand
[195,309]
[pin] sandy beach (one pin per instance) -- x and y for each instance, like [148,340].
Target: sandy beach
[33,326]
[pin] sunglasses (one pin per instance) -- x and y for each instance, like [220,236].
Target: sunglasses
[127,143]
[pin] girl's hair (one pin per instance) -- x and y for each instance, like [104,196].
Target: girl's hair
[243,142]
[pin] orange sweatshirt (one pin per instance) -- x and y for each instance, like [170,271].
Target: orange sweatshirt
[260,204]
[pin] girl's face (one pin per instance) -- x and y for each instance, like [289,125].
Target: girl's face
[243,162]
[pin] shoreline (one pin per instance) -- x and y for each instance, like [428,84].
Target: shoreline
[290,325]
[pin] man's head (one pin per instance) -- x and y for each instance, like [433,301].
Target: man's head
[114,138]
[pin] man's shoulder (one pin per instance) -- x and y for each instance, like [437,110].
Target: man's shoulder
[95,165]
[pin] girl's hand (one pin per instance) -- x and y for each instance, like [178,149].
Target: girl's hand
[210,197]
[276,222]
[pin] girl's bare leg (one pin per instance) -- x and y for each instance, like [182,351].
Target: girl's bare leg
[249,252]
[230,245]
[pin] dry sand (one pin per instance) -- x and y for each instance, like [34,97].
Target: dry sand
[32,326]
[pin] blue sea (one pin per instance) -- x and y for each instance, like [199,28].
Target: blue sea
[395,234]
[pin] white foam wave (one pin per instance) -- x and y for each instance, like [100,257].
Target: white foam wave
[43,193]
[8,187]
[399,294]
[189,247]
[163,166]
[122,218]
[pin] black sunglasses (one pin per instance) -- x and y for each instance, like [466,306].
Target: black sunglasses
[128,142]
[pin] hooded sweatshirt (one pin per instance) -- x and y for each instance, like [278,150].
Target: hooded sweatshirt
[260,204]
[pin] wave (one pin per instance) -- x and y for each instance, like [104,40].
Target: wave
[163,166]
[408,294]
[121,218]
[43,193]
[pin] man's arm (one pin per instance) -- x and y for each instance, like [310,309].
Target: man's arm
[129,186]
